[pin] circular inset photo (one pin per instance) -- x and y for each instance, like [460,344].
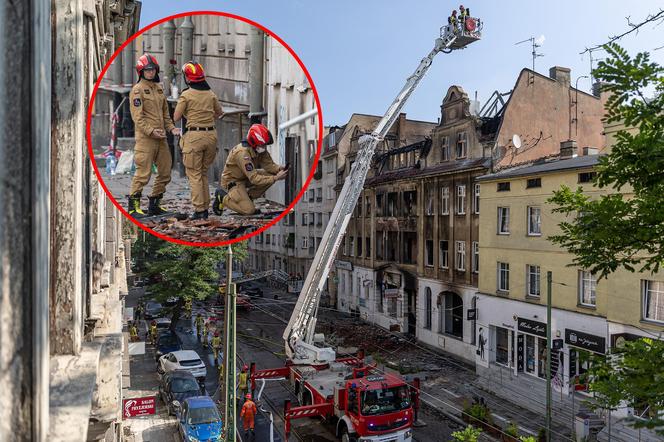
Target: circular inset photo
[205,128]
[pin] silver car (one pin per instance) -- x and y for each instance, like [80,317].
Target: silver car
[182,360]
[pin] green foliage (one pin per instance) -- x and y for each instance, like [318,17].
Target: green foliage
[614,231]
[527,439]
[512,430]
[480,412]
[634,374]
[469,434]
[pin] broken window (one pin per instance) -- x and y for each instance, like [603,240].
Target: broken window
[443,254]
[379,245]
[461,200]
[367,205]
[351,246]
[429,253]
[360,240]
[391,246]
[409,251]
[431,195]
[445,148]
[392,203]
[410,203]
[304,219]
[368,248]
[445,200]
[379,204]
[462,145]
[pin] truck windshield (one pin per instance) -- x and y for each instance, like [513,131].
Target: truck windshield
[386,400]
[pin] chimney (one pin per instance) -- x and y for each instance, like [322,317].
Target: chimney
[561,75]
[597,88]
[567,149]
[590,151]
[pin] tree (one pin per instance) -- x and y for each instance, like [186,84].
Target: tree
[469,434]
[188,273]
[634,375]
[615,231]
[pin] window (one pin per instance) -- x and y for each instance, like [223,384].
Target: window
[533,281]
[462,145]
[587,287]
[503,220]
[319,194]
[503,277]
[305,242]
[445,149]
[476,257]
[311,195]
[587,177]
[304,219]
[453,314]
[428,309]
[502,346]
[368,248]
[367,206]
[429,252]
[352,246]
[330,192]
[476,199]
[461,200]
[504,187]
[312,218]
[431,194]
[444,200]
[653,300]
[534,221]
[267,239]
[460,256]
[443,255]
[359,245]
[533,182]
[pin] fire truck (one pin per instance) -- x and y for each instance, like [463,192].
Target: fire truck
[366,403]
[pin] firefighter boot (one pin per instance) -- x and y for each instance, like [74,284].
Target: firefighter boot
[134,204]
[218,203]
[155,208]
[199,215]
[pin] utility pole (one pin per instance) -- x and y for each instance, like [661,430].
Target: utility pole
[229,351]
[548,356]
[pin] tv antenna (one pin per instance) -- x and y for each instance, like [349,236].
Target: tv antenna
[536,43]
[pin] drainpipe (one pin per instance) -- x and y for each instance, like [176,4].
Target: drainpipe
[187,31]
[41,178]
[281,137]
[169,54]
[256,58]
[127,79]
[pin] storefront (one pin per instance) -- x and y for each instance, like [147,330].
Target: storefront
[581,347]
[531,347]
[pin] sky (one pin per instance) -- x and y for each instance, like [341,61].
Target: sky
[360,52]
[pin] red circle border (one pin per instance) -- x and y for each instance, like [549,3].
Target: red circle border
[250,234]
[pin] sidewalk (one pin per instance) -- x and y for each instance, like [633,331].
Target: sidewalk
[177,199]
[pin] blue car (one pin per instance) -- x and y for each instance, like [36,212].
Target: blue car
[199,419]
[167,342]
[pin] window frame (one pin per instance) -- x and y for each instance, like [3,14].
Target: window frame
[506,270]
[529,211]
[428,309]
[476,257]
[460,199]
[462,140]
[445,200]
[445,148]
[428,262]
[645,289]
[529,272]
[444,263]
[476,199]
[506,210]
[582,289]
[460,256]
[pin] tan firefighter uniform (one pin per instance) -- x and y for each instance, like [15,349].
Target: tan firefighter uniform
[199,143]
[246,176]
[149,111]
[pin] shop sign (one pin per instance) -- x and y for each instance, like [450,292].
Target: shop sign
[471,314]
[345,265]
[596,344]
[520,342]
[139,406]
[533,327]
[391,293]
[557,344]
[618,341]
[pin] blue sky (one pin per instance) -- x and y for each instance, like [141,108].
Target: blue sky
[360,52]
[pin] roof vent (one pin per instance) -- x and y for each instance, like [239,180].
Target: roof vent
[567,149]
[590,151]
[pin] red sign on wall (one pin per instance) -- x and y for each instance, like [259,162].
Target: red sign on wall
[138,406]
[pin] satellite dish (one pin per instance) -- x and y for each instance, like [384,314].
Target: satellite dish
[516,140]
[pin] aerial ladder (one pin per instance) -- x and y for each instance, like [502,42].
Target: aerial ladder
[299,336]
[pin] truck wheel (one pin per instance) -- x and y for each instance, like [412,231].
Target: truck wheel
[345,437]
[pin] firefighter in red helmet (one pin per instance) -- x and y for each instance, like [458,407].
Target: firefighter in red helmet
[200,106]
[248,173]
[149,110]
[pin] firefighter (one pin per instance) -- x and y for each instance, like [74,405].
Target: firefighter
[139,310]
[452,19]
[149,111]
[206,330]
[463,12]
[242,178]
[243,384]
[199,321]
[216,346]
[248,414]
[187,308]
[200,106]
[133,332]
[153,332]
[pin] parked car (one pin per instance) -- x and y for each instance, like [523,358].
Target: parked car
[153,309]
[182,360]
[163,323]
[167,342]
[171,301]
[254,291]
[243,302]
[199,419]
[178,385]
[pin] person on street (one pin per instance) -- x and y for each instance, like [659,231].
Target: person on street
[139,311]
[243,381]
[249,171]
[206,331]
[248,415]
[199,321]
[216,346]
[133,332]
[200,106]
[187,308]
[149,110]
[153,332]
